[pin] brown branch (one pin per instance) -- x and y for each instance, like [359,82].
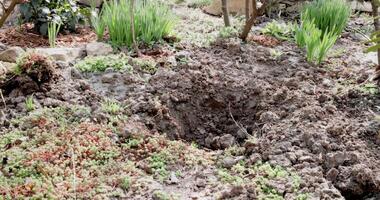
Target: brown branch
[255,13]
[3,6]
[8,11]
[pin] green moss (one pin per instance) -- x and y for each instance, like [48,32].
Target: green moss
[101,63]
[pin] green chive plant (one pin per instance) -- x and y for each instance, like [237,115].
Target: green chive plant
[153,20]
[98,25]
[53,29]
[29,103]
[322,22]
[328,15]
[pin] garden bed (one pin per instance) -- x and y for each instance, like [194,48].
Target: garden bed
[203,118]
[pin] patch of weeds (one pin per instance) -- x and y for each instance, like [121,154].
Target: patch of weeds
[194,145]
[199,3]
[44,155]
[146,65]
[302,197]
[336,53]
[227,32]
[161,195]
[369,88]
[226,177]
[126,182]
[234,150]
[278,30]
[265,173]
[240,168]
[111,106]
[132,143]
[29,103]
[158,162]
[275,54]
[101,63]
[272,172]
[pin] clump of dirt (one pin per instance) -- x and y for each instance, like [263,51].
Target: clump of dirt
[31,72]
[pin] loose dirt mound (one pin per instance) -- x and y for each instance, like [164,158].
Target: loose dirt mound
[229,92]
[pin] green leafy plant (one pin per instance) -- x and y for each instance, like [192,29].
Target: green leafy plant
[41,12]
[228,31]
[126,183]
[281,31]
[29,103]
[101,63]
[97,22]
[375,40]
[322,22]
[153,20]
[328,15]
[111,106]
[53,29]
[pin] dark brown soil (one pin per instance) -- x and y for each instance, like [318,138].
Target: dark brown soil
[26,37]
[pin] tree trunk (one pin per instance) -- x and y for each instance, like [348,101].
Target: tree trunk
[225,13]
[376,23]
[249,23]
[7,11]
[246,10]
[132,15]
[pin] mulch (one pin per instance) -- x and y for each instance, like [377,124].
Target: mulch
[25,36]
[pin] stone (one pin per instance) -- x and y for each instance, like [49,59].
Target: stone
[3,46]
[11,54]
[229,162]
[226,141]
[98,49]
[66,54]
[109,78]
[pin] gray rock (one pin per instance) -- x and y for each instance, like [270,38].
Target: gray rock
[98,49]
[229,162]
[11,54]
[66,54]
[3,46]
[226,141]
[108,78]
